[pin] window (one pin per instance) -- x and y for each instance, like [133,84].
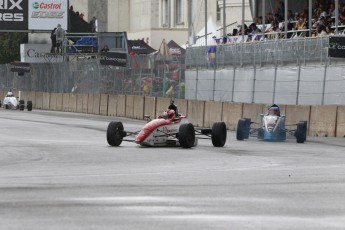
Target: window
[178,15]
[165,13]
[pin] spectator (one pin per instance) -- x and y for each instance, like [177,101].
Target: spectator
[53,39]
[94,25]
[321,31]
[329,30]
[81,16]
[60,37]
[105,48]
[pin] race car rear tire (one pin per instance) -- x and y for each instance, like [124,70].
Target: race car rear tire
[186,135]
[21,105]
[301,132]
[29,106]
[241,129]
[218,134]
[247,125]
[115,133]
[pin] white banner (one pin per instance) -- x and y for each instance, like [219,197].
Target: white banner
[46,15]
[38,53]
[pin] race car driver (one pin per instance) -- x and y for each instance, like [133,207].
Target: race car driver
[274,110]
[173,107]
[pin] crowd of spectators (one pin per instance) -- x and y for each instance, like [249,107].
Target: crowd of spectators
[273,25]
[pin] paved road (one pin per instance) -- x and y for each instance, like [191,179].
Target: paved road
[57,172]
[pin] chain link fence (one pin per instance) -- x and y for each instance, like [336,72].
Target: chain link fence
[146,75]
[295,51]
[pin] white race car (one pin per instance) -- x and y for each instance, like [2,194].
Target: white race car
[11,102]
[167,130]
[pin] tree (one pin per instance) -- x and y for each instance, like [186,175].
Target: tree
[10,46]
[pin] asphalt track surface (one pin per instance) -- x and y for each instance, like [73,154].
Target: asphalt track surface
[58,172]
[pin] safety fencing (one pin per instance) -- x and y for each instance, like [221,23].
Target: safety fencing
[297,51]
[326,121]
[145,75]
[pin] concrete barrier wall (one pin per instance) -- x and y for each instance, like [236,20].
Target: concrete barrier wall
[85,102]
[96,104]
[53,101]
[46,101]
[150,106]
[195,112]
[326,120]
[138,108]
[162,105]
[112,105]
[90,104]
[80,103]
[213,112]
[103,106]
[59,101]
[340,130]
[297,113]
[129,106]
[182,106]
[121,106]
[39,100]
[232,112]
[253,111]
[72,102]
[65,102]
[323,121]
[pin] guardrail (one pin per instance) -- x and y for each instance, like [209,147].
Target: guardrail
[327,121]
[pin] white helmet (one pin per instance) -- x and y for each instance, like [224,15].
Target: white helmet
[9,94]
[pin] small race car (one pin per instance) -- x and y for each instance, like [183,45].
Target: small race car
[11,102]
[167,130]
[271,128]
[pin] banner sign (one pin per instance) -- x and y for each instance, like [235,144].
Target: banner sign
[114,59]
[336,47]
[38,53]
[20,67]
[13,15]
[46,14]
[33,14]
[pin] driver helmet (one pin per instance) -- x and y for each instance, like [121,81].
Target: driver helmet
[9,94]
[171,113]
[273,110]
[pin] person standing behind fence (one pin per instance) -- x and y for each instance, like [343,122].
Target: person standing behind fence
[94,25]
[53,38]
[60,36]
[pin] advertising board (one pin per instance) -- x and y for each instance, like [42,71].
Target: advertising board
[23,15]
[38,53]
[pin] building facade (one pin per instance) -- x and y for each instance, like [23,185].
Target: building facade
[155,20]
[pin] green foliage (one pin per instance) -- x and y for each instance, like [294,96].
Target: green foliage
[10,46]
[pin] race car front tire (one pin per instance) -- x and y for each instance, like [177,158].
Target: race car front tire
[186,135]
[29,106]
[21,105]
[240,131]
[115,133]
[218,134]
[301,132]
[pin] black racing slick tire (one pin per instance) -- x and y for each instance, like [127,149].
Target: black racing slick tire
[301,132]
[186,135]
[218,134]
[29,106]
[247,125]
[115,133]
[21,105]
[240,131]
